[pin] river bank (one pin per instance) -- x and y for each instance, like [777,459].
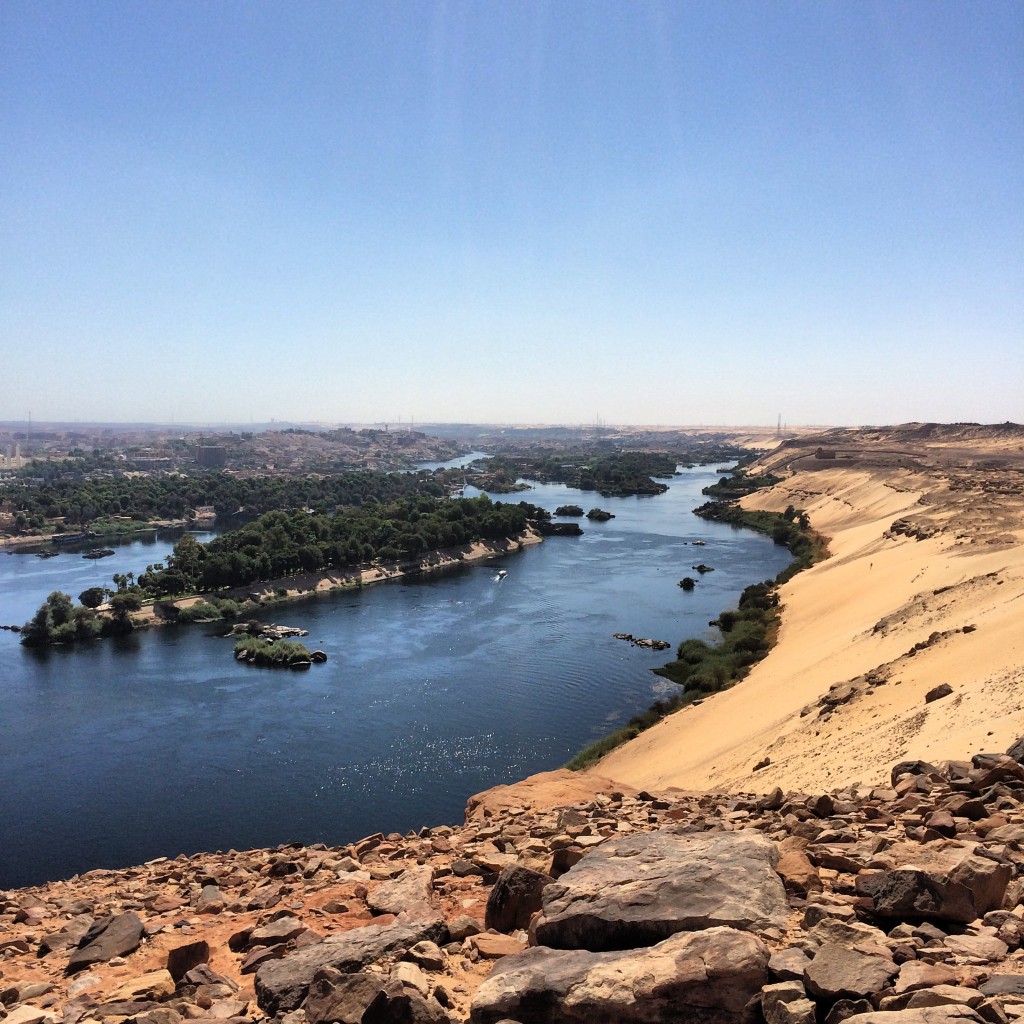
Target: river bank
[923,589]
[305,585]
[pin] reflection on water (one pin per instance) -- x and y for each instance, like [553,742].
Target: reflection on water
[434,689]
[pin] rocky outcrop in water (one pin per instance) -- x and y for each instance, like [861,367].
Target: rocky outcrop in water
[565,899]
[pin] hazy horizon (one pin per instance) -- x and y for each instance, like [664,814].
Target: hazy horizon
[538,213]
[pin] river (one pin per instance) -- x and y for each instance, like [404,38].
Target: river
[435,688]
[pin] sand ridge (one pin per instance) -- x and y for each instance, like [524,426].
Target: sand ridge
[926,538]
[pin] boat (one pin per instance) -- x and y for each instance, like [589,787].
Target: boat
[98,553]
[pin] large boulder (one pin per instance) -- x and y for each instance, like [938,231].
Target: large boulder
[942,882]
[336,998]
[698,977]
[515,898]
[411,891]
[640,889]
[840,973]
[281,985]
[108,937]
[922,1015]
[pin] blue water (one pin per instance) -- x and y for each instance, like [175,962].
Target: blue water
[120,751]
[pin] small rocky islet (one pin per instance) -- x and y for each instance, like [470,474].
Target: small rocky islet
[562,899]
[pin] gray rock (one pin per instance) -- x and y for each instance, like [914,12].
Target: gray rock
[69,936]
[211,900]
[280,930]
[281,985]
[341,998]
[410,890]
[786,1003]
[641,889]
[515,898]
[107,938]
[924,1015]
[947,883]
[699,977]
[1004,984]
[395,1004]
[844,1009]
[788,964]
[840,973]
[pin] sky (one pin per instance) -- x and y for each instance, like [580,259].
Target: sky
[643,212]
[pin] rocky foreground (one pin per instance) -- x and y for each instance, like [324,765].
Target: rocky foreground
[903,904]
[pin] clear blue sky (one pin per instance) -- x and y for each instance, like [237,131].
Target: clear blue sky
[678,212]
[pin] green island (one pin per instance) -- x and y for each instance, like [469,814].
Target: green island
[273,653]
[747,633]
[274,547]
[611,474]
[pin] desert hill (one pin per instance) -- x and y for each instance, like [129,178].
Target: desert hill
[924,588]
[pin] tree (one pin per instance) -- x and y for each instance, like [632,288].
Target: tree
[93,597]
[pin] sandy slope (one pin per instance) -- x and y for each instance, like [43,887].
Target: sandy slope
[861,611]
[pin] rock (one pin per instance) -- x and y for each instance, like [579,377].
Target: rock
[30,1015]
[1004,985]
[980,949]
[912,768]
[493,947]
[640,889]
[255,958]
[1016,750]
[710,975]
[798,874]
[464,926]
[395,1004]
[280,930]
[840,973]
[949,883]
[844,1009]
[915,975]
[211,900]
[281,985]
[788,964]
[409,975]
[182,959]
[107,938]
[515,898]
[155,985]
[341,998]
[786,1003]
[924,1015]
[412,889]
[68,936]
[427,955]
[938,692]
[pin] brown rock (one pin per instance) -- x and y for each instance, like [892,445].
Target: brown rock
[637,890]
[711,975]
[840,973]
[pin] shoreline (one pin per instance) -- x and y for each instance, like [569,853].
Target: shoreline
[927,566]
[308,585]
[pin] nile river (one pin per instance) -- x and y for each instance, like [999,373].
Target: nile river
[124,750]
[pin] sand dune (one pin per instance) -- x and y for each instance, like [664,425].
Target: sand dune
[927,541]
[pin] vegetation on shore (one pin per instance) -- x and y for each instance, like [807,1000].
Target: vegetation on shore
[110,502]
[273,653]
[275,546]
[616,474]
[747,633]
